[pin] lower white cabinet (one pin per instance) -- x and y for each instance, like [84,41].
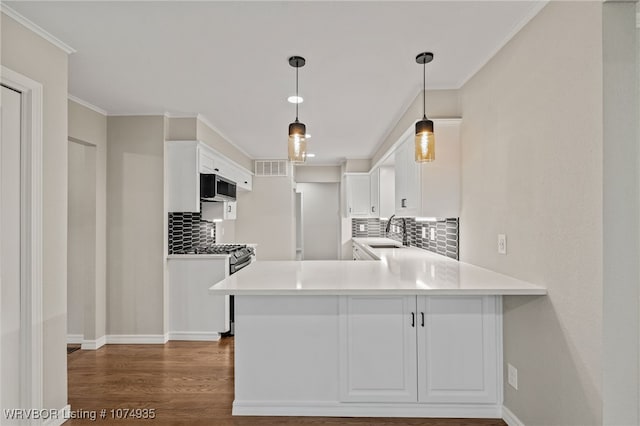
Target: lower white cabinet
[434,349]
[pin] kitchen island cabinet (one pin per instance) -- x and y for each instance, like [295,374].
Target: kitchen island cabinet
[412,334]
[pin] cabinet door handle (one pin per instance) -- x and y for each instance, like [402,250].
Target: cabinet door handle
[403,203]
[349,209]
[422,318]
[216,169]
[373,209]
[229,208]
[413,319]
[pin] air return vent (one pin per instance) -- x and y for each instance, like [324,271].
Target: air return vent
[272,168]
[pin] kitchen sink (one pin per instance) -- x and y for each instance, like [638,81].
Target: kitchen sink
[380,246]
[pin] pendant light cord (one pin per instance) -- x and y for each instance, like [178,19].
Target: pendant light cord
[297,97]
[424,90]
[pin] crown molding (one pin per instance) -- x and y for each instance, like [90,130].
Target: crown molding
[87,105]
[36,29]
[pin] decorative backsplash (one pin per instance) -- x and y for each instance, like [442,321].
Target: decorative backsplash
[445,233]
[187,230]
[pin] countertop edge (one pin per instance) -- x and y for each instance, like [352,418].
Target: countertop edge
[400,292]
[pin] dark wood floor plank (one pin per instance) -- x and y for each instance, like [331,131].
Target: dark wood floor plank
[187,383]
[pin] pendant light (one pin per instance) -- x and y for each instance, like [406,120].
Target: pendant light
[425,139]
[297,130]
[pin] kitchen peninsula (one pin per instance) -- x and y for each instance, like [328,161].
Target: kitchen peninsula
[407,334]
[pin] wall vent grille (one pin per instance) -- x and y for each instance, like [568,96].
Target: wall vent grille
[271,167]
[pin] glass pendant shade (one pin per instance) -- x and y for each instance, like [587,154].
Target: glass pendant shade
[297,142]
[425,141]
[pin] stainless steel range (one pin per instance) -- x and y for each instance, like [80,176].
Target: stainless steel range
[240,255]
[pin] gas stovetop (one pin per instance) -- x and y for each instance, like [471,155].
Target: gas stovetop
[236,250]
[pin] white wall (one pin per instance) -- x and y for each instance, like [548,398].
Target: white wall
[320,220]
[621,326]
[89,127]
[136,223]
[28,54]
[266,216]
[532,169]
[310,173]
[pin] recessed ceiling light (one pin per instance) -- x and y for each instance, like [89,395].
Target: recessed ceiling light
[295,99]
[310,155]
[307,136]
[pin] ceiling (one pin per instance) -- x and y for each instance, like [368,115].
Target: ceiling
[228,62]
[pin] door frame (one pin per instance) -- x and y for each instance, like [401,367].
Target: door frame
[31,315]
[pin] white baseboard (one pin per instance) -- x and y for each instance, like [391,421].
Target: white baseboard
[92,345]
[510,418]
[194,336]
[350,409]
[59,417]
[74,339]
[137,339]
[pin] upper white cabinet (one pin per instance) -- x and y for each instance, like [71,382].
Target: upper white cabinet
[358,204]
[382,189]
[436,349]
[224,210]
[185,161]
[430,189]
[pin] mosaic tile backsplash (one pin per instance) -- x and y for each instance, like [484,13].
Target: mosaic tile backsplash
[445,232]
[187,230]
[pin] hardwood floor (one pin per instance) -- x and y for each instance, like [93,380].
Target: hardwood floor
[187,383]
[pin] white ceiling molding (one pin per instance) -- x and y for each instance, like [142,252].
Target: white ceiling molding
[537,7]
[87,104]
[36,29]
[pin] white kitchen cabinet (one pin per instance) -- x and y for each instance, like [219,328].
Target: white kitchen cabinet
[382,190]
[220,210]
[185,160]
[195,313]
[453,341]
[357,194]
[429,189]
[376,370]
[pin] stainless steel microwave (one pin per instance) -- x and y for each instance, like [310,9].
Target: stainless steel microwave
[216,188]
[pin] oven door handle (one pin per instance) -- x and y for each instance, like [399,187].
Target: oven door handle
[239,266]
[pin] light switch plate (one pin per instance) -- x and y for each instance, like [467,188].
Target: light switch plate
[502,244]
[432,234]
[424,232]
[362,227]
[512,376]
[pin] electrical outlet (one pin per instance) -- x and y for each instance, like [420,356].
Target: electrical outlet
[211,233]
[424,232]
[432,234]
[502,244]
[512,376]
[362,227]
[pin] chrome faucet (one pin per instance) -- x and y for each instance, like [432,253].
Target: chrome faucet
[405,239]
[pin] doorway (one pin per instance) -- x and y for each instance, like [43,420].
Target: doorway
[21,354]
[320,221]
[81,244]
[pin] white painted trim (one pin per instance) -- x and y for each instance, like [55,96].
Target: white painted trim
[92,345]
[36,29]
[60,417]
[337,409]
[31,233]
[87,104]
[215,129]
[137,339]
[74,339]
[510,418]
[535,8]
[203,336]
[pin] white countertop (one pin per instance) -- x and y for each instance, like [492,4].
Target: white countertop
[406,270]
[197,256]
